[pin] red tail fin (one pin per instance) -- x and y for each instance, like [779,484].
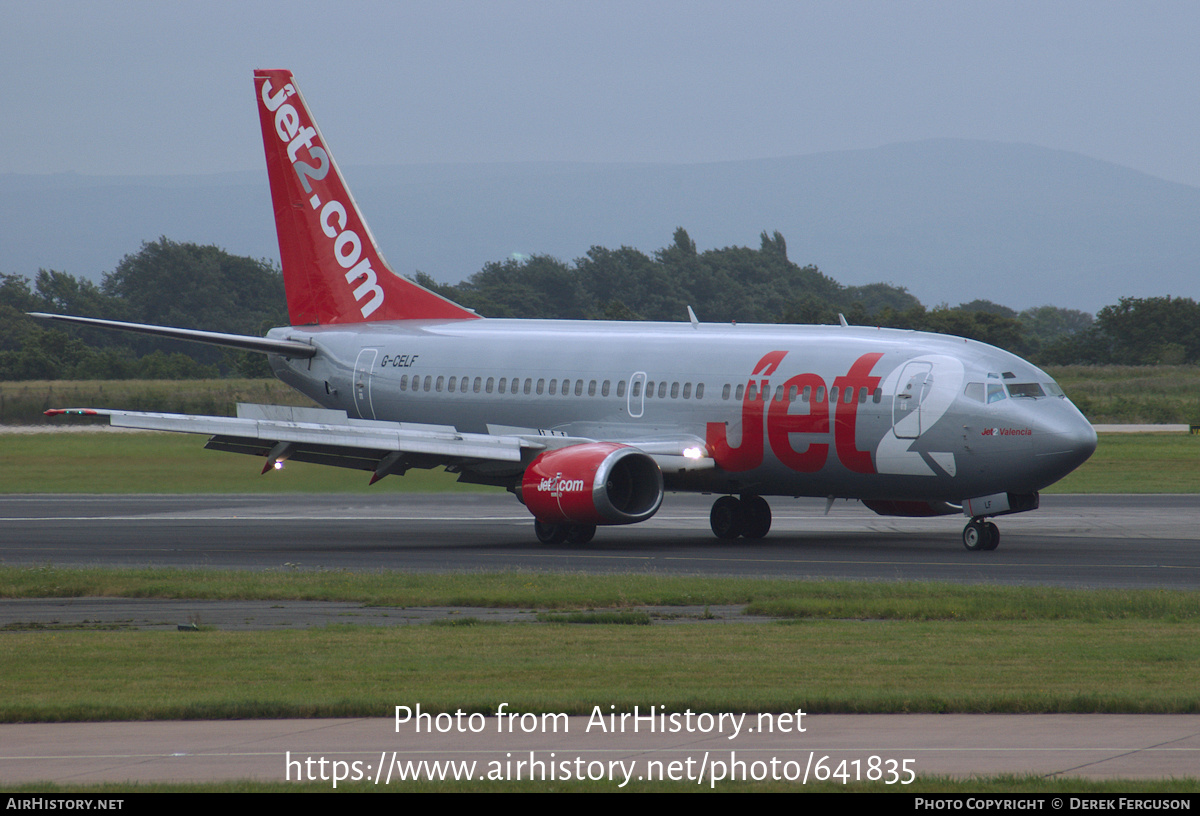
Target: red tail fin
[332,268]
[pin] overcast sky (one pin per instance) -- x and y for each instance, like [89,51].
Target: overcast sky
[120,87]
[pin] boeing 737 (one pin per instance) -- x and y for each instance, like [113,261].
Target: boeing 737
[591,422]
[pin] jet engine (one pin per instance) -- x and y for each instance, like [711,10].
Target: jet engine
[593,483]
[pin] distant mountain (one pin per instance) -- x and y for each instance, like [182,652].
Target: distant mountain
[951,220]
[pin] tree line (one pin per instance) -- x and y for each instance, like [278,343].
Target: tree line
[193,286]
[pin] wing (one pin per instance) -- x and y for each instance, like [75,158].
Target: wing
[329,437]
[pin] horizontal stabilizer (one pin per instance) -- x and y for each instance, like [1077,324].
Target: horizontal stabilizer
[267,345]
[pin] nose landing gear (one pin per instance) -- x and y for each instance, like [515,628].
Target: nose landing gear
[980,534]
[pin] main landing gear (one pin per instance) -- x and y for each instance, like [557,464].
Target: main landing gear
[549,533]
[748,517]
[980,534]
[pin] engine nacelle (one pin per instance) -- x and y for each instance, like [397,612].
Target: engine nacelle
[593,483]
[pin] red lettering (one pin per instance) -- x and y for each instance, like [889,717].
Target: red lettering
[749,453]
[780,424]
[846,413]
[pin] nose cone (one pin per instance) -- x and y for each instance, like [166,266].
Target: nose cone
[1066,444]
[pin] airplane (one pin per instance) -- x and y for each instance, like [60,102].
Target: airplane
[590,423]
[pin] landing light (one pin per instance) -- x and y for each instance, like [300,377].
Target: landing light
[693,453]
[278,465]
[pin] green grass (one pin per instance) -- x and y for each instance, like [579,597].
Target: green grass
[1138,463]
[177,463]
[849,647]
[22,403]
[819,666]
[1161,395]
[909,601]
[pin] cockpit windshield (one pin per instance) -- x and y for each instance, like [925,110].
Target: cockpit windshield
[1029,390]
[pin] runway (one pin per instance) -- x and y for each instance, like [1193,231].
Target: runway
[1083,541]
[1109,541]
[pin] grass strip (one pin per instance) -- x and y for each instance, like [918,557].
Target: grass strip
[818,666]
[861,600]
[176,463]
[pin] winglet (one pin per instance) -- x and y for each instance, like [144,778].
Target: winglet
[333,270]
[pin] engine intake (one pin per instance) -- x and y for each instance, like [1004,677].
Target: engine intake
[593,483]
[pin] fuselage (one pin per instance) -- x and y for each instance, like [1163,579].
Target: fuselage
[784,410]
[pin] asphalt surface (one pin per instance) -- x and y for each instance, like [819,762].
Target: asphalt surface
[1089,541]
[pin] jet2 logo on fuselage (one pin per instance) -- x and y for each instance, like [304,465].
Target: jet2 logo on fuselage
[761,413]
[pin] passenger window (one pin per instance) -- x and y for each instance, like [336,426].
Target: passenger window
[404,383]
[528,385]
[503,380]
[541,385]
[674,390]
[579,388]
[554,388]
[592,388]
[738,394]
[752,392]
[700,391]
[725,392]
[820,393]
[637,388]
[428,381]
[604,389]
[877,397]
[649,390]
[687,390]
[621,388]
[862,395]
[833,395]
[490,382]
[806,394]
[450,385]
[437,386]
[478,383]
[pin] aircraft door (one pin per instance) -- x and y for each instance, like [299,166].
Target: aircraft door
[636,397]
[364,369]
[914,385]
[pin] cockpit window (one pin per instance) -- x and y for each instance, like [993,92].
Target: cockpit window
[995,392]
[1053,389]
[974,391]
[1030,390]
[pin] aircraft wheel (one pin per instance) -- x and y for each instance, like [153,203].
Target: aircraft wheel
[727,517]
[548,533]
[756,514]
[975,535]
[993,533]
[581,533]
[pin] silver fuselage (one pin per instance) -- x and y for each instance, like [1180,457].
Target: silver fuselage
[918,416]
